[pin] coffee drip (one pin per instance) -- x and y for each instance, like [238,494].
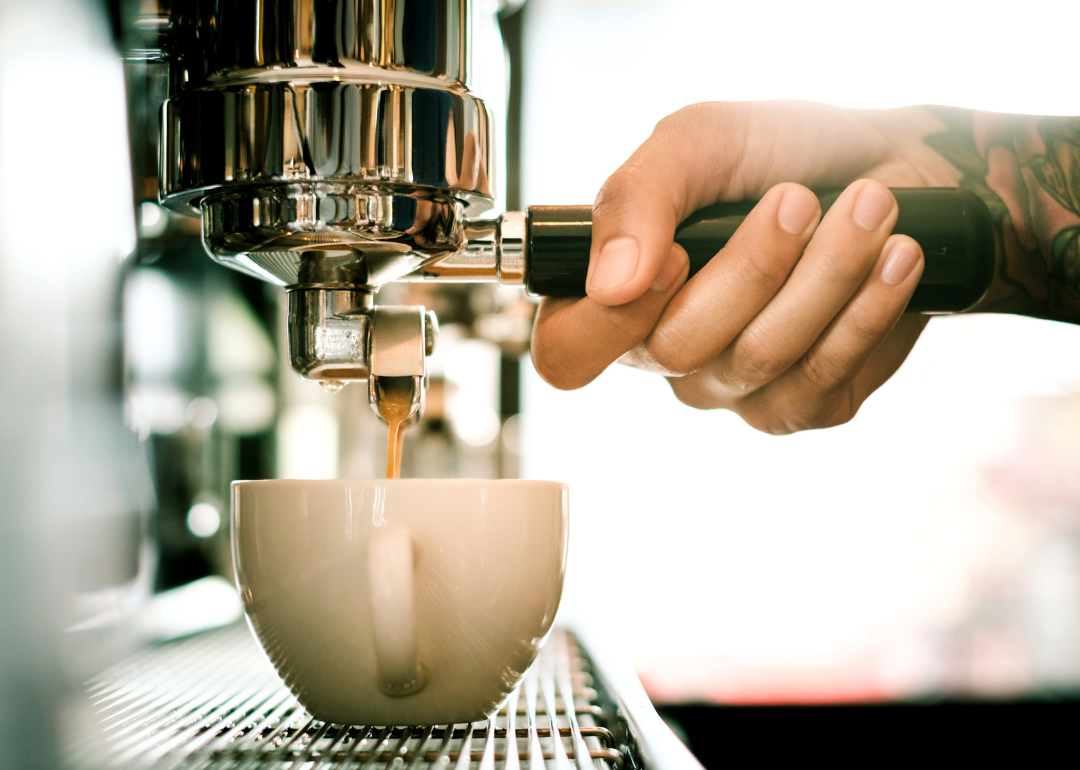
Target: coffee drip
[396,404]
[395,442]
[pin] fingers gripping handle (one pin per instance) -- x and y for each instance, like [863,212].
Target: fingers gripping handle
[953,226]
[393,611]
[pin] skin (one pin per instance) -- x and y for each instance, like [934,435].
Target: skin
[800,317]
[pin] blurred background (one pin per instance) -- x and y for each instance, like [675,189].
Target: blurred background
[928,550]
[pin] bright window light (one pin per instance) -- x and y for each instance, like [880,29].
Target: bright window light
[828,565]
[204,520]
[308,443]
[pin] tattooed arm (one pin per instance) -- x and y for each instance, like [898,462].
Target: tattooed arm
[1027,170]
[801,316]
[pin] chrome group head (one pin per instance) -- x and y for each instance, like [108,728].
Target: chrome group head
[331,147]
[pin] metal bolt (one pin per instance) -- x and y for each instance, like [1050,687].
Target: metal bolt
[431,332]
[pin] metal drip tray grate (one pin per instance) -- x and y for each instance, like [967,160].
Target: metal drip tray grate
[214,701]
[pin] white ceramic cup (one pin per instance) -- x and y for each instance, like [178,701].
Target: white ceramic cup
[400,601]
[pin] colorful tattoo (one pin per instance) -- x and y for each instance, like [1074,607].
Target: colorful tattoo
[1058,172]
[1027,170]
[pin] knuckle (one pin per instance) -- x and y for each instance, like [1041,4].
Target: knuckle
[789,418]
[873,183]
[618,192]
[672,352]
[784,412]
[837,409]
[752,362]
[628,327]
[870,323]
[780,189]
[838,266]
[781,412]
[762,270]
[822,372]
[764,419]
[856,188]
[694,394]
[819,411]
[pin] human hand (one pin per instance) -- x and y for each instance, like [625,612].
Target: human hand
[799,318]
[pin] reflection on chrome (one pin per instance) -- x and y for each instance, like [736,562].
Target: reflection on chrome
[330,148]
[428,139]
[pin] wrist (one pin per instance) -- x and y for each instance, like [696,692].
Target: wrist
[1021,167]
[1051,162]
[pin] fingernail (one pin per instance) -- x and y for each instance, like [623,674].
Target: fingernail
[615,265]
[898,265]
[871,208]
[668,274]
[797,210]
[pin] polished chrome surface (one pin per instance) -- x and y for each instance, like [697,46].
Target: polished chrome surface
[511,243]
[329,146]
[477,261]
[338,336]
[643,734]
[213,701]
[328,333]
[399,350]
[431,332]
[322,235]
[351,91]
[427,141]
[494,250]
[217,43]
[330,288]
[395,389]
[398,342]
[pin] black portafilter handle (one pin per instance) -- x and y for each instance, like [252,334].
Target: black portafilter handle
[953,227]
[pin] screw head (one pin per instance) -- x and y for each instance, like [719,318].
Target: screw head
[431,332]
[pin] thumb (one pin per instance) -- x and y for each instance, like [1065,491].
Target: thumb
[637,210]
[633,226]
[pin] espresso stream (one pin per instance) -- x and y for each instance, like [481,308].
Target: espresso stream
[394,407]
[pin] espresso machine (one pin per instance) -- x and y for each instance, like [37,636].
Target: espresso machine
[331,148]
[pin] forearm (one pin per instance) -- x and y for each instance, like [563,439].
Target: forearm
[1027,170]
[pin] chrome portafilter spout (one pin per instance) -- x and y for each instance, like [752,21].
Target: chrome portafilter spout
[329,334]
[401,340]
[338,335]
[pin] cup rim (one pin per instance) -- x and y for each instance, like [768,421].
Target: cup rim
[402,482]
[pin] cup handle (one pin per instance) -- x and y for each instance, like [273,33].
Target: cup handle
[393,611]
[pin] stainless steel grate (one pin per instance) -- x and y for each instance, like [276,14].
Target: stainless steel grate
[214,702]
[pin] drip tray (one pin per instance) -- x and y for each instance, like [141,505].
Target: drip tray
[214,701]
